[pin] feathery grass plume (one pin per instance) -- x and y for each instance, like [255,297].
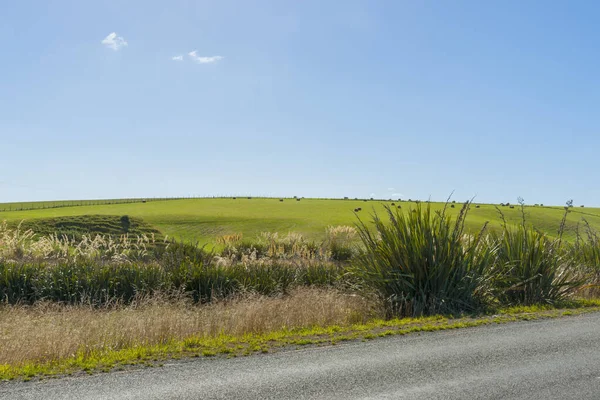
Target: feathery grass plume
[292,246]
[340,242]
[17,244]
[417,263]
[14,243]
[229,239]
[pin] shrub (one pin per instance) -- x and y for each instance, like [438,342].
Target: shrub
[340,242]
[125,223]
[78,282]
[533,268]
[418,263]
[103,283]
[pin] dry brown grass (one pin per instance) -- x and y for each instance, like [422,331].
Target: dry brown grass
[48,332]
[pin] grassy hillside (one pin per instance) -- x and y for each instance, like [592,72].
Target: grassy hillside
[76,226]
[203,220]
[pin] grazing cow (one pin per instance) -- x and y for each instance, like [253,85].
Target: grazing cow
[393,204]
[280,199]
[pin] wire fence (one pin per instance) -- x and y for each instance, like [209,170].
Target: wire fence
[7,207]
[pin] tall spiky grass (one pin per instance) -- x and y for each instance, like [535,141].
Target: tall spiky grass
[98,283]
[586,250]
[533,268]
[418,263]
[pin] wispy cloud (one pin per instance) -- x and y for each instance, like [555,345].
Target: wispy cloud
[397,195]
[203,60]
[112,41]
[177,58]
[391,189]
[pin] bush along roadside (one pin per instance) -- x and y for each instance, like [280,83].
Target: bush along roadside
[423,263]
[417,262]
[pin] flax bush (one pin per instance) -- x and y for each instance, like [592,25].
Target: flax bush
[535,269]
[420,263]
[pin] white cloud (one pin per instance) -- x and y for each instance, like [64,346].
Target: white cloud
[372,195]
[391,189]
[397,195]
[112,41]
[177,58]
[203,60]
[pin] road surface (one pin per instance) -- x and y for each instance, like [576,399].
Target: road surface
[548,359]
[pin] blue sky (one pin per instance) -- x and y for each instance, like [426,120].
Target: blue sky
[310,98]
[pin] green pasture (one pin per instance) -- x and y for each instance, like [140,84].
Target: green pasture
[203,220]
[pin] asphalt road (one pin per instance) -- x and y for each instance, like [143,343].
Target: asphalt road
[551,359]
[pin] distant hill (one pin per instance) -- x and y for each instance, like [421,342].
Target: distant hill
[203,220]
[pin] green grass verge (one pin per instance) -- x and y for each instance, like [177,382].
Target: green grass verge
[233,346]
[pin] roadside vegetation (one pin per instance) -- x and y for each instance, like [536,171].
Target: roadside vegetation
[85,301]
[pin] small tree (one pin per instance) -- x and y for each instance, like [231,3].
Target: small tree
[125,223]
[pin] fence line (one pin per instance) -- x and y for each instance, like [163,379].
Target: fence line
[62,204]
